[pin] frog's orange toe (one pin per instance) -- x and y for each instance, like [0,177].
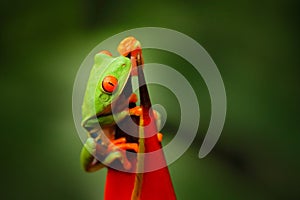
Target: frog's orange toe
[128,45]
[133,98]
[137,111]
[127,146]
[159,137]
[119,140]
[106,52]
[126,164]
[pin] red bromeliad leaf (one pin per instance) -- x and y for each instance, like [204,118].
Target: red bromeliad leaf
[156,184]
[119,185]
[152,185]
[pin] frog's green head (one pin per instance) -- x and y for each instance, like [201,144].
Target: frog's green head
[106,82]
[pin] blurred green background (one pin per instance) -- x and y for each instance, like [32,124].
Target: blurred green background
[255,44]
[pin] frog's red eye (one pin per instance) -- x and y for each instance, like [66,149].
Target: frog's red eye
[109,84]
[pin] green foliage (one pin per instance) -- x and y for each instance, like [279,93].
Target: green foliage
[254,44]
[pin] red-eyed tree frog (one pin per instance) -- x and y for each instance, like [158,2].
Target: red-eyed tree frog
[106,83]
[107,103]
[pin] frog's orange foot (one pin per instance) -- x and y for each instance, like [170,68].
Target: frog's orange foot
[121,144]
[114,143]
[118,141]
[138,111]
[128,146]
[159,137]
[131,48]
[128,45]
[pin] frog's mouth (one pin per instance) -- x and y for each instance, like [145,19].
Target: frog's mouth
[119,104]
[92,123]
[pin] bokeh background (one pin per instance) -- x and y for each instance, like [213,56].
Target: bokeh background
[255,44]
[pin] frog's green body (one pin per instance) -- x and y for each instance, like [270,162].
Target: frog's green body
[97,113]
